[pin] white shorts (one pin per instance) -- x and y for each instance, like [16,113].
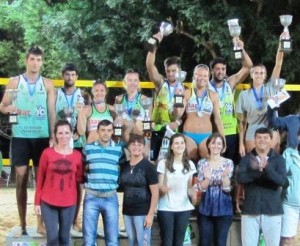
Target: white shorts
[290,220]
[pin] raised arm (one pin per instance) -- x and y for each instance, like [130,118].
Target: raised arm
[278,60]
[153,73]
[247,64]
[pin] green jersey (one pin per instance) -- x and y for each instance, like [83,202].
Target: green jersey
[32,108]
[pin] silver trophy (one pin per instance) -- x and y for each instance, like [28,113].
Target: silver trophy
[120,109]
[286,42]
[178,93]
[235,31]
[147,123]
[165,28]
[12,95]
[135,113]
[68,114]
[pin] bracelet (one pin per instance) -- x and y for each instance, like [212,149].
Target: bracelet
[178,122]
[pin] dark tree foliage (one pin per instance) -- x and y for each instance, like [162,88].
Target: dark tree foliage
[105,37]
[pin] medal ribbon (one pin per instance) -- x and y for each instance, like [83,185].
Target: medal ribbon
[222,96]
[258,99]
[199,105]
[70,103]
[128,108]
[171,95]
[31,92]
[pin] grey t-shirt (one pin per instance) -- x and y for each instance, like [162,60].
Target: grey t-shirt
[255,108]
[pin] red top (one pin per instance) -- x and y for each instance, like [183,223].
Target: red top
[58,177]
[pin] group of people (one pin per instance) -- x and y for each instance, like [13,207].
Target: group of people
[217,135]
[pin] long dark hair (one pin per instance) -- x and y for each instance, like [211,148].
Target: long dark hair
[170,156]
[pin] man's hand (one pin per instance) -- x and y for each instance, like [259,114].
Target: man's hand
[159,36]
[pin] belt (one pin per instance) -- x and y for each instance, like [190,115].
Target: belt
[100,194]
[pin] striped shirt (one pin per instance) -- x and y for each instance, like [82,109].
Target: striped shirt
[102,165]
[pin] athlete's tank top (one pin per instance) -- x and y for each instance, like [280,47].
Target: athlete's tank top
[163,104]
[33,112]
[68,102]
[97,116]
[133,105]
[201,104]
[226,97]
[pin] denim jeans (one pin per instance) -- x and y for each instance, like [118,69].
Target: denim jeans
[138,235]
[58,222]
[269,224]
[173,227]
[109,209]
[213,229]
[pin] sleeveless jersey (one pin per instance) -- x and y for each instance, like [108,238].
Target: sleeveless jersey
[163,104]
[65,108]
[33,111]
[203,105]
[97,116]
[226,97]
[135,105]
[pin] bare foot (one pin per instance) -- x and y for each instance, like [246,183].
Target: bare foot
[21,232]
[77,227]
[41,230]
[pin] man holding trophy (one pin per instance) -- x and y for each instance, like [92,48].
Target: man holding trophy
[34,105]
[136,108]
[225,85]
[163,114]
[68,100]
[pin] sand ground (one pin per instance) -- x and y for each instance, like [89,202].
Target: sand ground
[9,215]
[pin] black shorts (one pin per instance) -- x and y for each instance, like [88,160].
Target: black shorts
[24,149]
[155,143]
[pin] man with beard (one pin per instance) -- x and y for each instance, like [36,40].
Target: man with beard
[225,85]
[68,99]
[163,113]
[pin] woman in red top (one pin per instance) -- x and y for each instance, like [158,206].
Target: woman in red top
[60,170]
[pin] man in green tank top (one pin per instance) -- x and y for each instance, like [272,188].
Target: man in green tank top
[68,101]
[225,87]
[163,114]
[34,106]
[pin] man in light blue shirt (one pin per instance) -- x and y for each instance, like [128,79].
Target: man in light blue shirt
[102,173]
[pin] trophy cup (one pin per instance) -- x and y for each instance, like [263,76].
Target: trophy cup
[147,123]
[178,94]
[120,109]
[286,42]
[135,113]
[12,95]
[68,114]
[235,31]
[165,29]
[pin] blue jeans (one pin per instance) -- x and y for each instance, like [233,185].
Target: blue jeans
[173,227]
[213,229]
[58,222]
[109,209]
[138,235]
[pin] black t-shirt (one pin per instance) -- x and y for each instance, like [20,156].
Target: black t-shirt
[135,182]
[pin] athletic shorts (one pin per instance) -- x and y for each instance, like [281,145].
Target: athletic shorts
[155,143]
[290,220]
[24,149]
